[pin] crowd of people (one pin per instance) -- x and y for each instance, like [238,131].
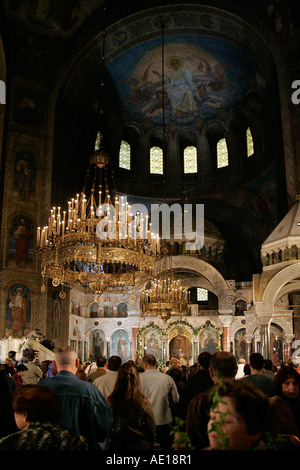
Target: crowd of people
[216,404]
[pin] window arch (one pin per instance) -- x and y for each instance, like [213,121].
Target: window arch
[250,146]
[125,155]
[190,160]
[222,153]
[156,160]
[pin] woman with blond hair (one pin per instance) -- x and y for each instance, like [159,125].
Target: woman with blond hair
[133,421]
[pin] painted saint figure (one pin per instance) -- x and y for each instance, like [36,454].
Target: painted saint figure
[21,236]
[18,305]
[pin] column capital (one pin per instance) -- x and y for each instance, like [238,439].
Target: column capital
[226,320]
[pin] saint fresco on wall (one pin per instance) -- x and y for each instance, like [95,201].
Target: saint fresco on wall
[120,344]
[21,239]
[18,310]
[24,175]
[122,310]
[209,340]
[152,344]
[97,344]
[180,347]
[240,345]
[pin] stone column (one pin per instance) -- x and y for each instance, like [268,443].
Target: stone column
[287,352]
[264,322]
[226,322]
[249,339]
[134,342]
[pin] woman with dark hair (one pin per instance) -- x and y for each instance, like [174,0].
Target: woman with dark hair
[239,416]
[133,425]
[286,403]
[37,413]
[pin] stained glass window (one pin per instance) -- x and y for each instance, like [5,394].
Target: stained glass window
[222,153]
[125,155]
[250,147]
[202,294]
[156,161]
[190,159]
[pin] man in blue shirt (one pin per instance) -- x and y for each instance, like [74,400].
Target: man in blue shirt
[84,409]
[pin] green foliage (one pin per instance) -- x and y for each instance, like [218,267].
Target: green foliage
[181,437]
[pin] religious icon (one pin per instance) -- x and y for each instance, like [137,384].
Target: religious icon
[240,344]
[21,241]
[121,344]
[209,340]
[97,344]
[24,175]
[18,310]
[152,344]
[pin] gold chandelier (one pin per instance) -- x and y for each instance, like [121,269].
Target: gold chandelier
[164,296]
[97,244]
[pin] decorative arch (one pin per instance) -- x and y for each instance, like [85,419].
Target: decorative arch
[218,284]
[280,280]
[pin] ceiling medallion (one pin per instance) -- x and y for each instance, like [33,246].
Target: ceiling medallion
[97,244]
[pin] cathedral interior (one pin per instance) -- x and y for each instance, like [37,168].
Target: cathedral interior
[182,104]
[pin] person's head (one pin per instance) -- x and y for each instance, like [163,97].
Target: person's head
[12,354]
[222,365]
[66,359]
[239,417]
[268,364]
[114,363]
[35,403]
[21,370]
[149,362]
[101,362]
[174,363]
[287,382]
[242,361]
[203,359]
[127,387]
[256,362]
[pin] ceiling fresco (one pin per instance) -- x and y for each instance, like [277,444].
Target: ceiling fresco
[204,78]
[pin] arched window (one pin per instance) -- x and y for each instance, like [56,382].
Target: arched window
[202,294]
[250,147]
[190,159]
[156,161]
[125,155]
[222,154]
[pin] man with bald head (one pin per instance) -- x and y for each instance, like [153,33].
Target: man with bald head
[84,409]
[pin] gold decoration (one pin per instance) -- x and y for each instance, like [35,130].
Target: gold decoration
[164,296]
[97,245]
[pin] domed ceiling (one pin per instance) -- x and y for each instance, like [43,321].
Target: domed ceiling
[213,51]
[102,63]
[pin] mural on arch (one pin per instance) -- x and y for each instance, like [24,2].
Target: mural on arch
[204,76]
[21,243]
[120,344]
[18,310]
[24,175]
[180,347]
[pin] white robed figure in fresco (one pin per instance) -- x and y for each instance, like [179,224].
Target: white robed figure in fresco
[182,92]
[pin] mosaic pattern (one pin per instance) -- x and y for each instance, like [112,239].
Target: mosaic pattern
[190,160]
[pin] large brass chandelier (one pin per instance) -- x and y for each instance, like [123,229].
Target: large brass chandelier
[97,244]
[164,296]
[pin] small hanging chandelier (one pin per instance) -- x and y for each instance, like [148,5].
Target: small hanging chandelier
[164,296]
[97,244]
